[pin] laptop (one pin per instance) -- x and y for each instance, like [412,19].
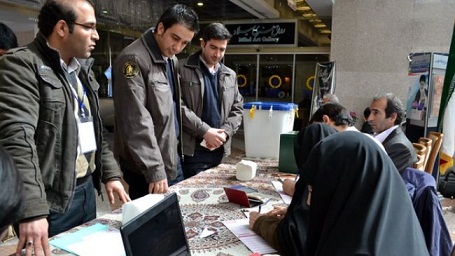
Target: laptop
[158,231]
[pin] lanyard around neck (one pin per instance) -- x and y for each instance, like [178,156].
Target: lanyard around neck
[80,100]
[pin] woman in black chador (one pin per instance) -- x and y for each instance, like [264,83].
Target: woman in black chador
[357,205]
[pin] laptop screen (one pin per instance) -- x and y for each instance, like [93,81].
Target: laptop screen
[157,231]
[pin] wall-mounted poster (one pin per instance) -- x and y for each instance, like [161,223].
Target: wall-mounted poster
[424,92]
[417,102]
[426,78]
[418,98]
[323,83]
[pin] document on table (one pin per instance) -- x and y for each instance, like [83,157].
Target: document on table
[279,188]
[242,231]
[94,240]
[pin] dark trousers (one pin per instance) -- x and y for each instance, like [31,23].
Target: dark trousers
[81,209]
[201,160]
[138,186]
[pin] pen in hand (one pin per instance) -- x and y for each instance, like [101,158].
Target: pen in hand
[259,210]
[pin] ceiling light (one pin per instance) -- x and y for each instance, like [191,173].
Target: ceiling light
[325,31]
[292,5]
[303,8]
[309,15]
[320,25]
[200,4]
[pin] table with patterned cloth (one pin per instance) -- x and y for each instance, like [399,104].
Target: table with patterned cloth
[204,205]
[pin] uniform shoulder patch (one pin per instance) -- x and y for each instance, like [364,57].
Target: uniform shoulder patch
[130,69]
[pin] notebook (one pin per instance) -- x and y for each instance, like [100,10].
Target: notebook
[158,231]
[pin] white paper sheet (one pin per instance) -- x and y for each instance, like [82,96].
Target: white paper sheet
[251,240]
[95,240]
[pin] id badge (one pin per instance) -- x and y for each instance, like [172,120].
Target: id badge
[87,141]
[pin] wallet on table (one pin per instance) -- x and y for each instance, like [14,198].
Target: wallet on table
[243,196]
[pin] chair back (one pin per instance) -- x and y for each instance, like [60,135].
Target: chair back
[437,142]
[422,154]
[429,144]
[420,163]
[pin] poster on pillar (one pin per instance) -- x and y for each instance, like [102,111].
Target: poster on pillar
[417,98]
[426,76]
[323,84]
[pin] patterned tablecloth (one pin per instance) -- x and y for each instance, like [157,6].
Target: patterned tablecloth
[205,205]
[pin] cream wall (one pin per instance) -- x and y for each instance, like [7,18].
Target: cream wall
[371,41]
[25,37]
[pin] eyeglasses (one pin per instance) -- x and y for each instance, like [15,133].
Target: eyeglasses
[86,26]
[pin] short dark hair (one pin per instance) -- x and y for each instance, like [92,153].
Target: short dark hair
[12,189]
[8,39]
[180,14]
[336,112]
[54,11]
[394,105]
[423,78]
[216,31]
[366,112]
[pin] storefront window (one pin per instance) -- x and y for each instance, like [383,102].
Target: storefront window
[275,77]
[304,75]
[278,80]
[245,67]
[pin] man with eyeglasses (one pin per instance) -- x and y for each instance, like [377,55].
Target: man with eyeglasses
[51,126]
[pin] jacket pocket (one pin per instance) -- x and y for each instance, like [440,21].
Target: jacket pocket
[47,139]
[160,88]
[48,136]
[191,93]
[159,99]
[229,83]
[52,99]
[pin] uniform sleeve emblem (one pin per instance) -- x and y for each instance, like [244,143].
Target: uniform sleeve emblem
[130,70]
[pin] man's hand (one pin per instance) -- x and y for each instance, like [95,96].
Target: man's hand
[215,138]
[115,186]
[159,187]
[34,238]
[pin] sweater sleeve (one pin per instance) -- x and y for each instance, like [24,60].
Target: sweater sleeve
[265,227]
